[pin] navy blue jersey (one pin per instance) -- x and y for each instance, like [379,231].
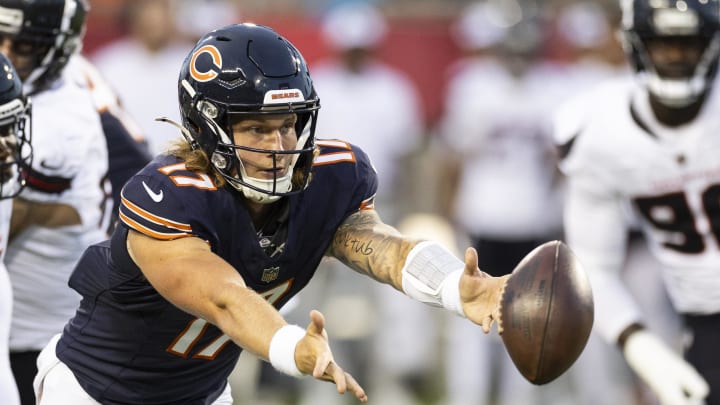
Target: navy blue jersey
[127,344]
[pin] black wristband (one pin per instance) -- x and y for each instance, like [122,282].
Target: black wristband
[625,334]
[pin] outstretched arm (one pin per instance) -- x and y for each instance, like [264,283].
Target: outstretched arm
[188,274]
[369,246]
[423,270]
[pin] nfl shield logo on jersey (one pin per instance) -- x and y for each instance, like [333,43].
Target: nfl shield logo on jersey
[270,274]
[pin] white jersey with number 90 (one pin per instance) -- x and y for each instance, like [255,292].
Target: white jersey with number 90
[624,167]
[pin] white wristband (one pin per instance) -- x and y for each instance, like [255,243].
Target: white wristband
[282,349]
[451,293]
[431,274]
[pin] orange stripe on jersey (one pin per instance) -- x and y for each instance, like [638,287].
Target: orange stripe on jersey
[331,158]
[149,232]
[333,143]
[154,218]
[368,204]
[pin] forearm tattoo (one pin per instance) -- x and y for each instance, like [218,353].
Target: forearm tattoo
[369,246]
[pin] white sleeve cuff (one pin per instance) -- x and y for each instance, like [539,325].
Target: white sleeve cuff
[282,349]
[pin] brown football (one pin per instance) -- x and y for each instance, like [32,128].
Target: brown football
[546,312]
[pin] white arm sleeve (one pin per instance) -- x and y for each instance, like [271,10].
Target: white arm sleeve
[431,275]
[596,231]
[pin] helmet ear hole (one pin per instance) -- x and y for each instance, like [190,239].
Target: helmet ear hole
[219,161]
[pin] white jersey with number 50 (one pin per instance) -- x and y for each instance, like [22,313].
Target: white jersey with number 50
[623,166]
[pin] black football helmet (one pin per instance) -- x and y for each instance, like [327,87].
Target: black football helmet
[15,130]
[699,20]
[50,31]
[247,69]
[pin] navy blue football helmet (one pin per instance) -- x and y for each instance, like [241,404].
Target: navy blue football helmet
[49,31]
[691,20]
[15,131]
[247,69]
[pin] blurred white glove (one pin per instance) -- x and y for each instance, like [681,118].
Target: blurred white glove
[674,381]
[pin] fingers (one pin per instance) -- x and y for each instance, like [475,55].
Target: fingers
[344,381]
[325,358]
[322,365]
[496,315]
[336,374]
[355,388]
[325,367]
[317,322]
[487,324]
[471,261]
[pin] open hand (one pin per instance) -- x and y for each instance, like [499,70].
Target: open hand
[313,356]
[480,293]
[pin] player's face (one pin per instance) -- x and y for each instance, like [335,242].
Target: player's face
[23,55]
[676,57]
[270,133]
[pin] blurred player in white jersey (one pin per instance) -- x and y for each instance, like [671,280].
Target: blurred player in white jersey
[15,153]
[508,191]
[67,204]
[647,151]
[128,150]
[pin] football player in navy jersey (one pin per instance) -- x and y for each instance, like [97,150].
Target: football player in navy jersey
[645,152]
[220,232]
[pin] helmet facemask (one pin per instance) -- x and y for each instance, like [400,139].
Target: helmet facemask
[15,147]
[227,160]
[680,83]
[46,34]
[214,124]
[241,72]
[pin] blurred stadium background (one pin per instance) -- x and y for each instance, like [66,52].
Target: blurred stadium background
[419,38]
